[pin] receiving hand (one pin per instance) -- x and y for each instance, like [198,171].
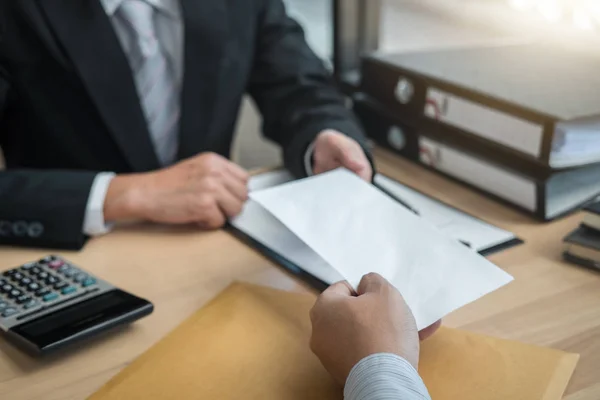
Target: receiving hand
[334,150]
[205,189]
[348,328]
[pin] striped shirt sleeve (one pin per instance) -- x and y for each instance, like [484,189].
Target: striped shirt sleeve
[384,376]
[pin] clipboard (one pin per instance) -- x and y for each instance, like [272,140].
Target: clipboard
[489,250]
[278,259]
[281,176]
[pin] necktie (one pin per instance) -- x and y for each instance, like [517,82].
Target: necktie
[154,78]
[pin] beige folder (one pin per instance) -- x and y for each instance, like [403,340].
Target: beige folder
[251,342]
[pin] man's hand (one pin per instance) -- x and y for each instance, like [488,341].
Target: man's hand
[347,329]
[334,150]
[205,189]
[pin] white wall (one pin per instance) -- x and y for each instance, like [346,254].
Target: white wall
[250,149]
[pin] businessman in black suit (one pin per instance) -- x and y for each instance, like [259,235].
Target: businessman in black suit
[125,109]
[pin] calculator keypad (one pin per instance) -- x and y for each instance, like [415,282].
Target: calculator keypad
[41,283]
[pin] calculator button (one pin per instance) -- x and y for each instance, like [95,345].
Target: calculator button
[61,285]
[88,282]
[9,312]
[80,277]
[7,287]
[25,282]
[63,268]
[42,275]
[50,296]
[35,270]
[11,272]
[23,299]
[33,286]
[28,266]
[42,292]
[15,293]
[70,272]
[3,282]
[56,264]
[47,259]
[17,277]
[3,305]
[30,304]
[69,290]
[51,280]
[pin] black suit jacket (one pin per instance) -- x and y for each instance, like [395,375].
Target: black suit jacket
[69,107]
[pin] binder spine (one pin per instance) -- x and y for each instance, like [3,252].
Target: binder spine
[402,139]
[517,190]
[403,91]
[479,173]
[488,123]
[454,137]
[441,107]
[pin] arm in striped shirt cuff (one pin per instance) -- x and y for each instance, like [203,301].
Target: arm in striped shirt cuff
[384,376]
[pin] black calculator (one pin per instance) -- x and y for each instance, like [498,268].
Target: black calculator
[48,304]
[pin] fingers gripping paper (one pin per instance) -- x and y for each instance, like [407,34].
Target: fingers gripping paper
[357,229]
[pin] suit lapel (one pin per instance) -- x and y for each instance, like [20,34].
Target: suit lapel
[32,14]
[88,37]
[206,32]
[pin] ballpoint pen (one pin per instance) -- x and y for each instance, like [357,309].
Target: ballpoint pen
[398,199]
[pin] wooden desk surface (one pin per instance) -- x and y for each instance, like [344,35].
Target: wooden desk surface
[551,303]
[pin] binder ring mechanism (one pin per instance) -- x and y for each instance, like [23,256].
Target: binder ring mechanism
[404,91]
[396,138]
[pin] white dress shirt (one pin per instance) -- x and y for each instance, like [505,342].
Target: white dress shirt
[168,22]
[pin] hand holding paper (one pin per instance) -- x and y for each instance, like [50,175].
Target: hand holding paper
[356,229]
[346,329]
[252,342]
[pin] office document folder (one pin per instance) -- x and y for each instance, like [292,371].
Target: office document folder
[542,192]
[534,102]
[294,256]
[355,229]
[251,342]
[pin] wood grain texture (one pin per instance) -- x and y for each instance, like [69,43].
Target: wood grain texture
[551,303]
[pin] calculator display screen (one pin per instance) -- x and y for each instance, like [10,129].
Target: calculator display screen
[65,323]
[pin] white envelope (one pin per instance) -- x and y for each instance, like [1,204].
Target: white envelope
[357,229]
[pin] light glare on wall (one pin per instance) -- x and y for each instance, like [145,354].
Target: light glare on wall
[583,14]
[583,20]
[522,4]
[551,10]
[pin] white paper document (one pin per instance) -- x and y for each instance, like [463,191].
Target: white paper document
[335,225]
[480,235]
[262,226]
